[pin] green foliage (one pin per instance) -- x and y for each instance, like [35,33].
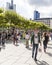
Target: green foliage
[12,19]
[1,10]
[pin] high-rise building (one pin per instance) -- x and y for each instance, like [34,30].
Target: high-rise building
[36,15]
[11,6]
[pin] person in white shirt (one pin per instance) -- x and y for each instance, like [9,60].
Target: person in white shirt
[35,39]
[27,37]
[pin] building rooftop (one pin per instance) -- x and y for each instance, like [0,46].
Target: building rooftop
[43,18]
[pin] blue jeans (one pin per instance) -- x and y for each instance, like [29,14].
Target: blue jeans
[35,48]
[3,42]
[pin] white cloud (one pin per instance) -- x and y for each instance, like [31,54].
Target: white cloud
[25,9]
[45,11]
[1,3]
[40,2]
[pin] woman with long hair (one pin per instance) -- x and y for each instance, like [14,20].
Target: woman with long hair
[45,41]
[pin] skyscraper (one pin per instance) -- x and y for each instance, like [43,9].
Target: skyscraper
[11,6]
[36,15]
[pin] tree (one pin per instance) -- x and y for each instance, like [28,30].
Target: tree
[1,10]
[20,22]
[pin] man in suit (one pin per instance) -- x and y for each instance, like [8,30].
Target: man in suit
[35,39]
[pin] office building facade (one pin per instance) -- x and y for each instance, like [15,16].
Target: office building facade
[47,21]
[10,6]
[36,15]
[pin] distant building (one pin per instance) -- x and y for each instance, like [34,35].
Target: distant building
[47,21]
[11,6]
[36,15]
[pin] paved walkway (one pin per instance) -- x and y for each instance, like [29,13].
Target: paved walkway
[19,55]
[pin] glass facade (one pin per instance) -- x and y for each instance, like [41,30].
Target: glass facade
[36,15]
[11,6]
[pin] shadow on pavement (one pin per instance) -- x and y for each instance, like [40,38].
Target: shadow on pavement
[16,45]
[49,47]
[9,42]
[50,54]
[41,63]
[2,47]
[29,48]
[49,44]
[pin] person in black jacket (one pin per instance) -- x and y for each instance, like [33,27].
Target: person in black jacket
[0,41]
[35,39]
[3,38]
[45,42]
[0,38]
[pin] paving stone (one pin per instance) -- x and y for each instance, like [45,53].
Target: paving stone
[19,55]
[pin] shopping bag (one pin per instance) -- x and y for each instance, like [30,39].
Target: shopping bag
[40,49]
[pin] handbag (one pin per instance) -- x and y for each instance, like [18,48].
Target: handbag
[40,49]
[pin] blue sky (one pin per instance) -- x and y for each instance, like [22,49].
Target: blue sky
[26,7]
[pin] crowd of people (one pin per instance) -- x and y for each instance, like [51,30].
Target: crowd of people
[35,36]
[9,35]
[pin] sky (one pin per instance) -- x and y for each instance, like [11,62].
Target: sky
[26,7]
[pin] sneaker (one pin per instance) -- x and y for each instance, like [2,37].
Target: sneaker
[32,56]
[35,59]
[45,51]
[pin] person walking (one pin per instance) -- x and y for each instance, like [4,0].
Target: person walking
[35,40]
[3,36]
[45,41]
[18,37]
[0,41]
[15,39]
[0,38]
[27,37]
